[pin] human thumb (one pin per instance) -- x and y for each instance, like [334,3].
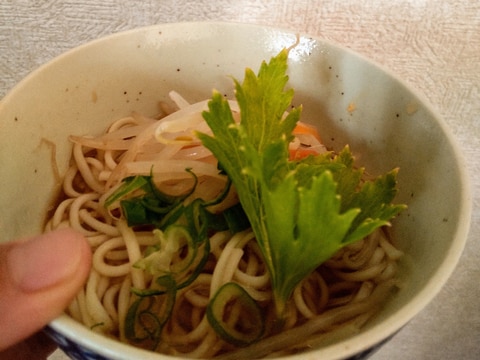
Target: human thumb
[38,279]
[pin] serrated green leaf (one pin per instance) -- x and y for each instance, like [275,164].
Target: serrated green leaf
[301,212]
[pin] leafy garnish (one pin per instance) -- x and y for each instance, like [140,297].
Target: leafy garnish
[301,212]
[148,205]
[142,203]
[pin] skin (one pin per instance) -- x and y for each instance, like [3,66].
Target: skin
[39,277]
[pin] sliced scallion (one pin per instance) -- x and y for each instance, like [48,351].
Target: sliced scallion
[235,316]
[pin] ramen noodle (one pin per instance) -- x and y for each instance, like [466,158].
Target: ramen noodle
[334,301]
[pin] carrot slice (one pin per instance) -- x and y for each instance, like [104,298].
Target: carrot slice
[303,151]
[303,128]
[300,153]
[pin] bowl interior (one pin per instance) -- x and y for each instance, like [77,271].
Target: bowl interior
[350,99]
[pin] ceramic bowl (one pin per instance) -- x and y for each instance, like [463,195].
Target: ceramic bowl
[350,99]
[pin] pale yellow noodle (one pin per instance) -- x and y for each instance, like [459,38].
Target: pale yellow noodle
[361,275]
[388,273]
[392,252]
[223,261]
[197,299]
[332,302]
[94,306]
[85,170]
[109,302]
[74,217]
[110,162]
[206,349]
[117,255]
[96,224]
[97,240]
[300,303]
[377,257]
[102,267]
[123,304]
[74,309]
[60,213]
[292,336]
[175,334]
[134,254]
[68,187]
[365,291]
[82,306]
[102,285]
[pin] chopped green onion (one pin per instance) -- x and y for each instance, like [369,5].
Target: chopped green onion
[236,218]
[129,184]
[147,316]
[224,313]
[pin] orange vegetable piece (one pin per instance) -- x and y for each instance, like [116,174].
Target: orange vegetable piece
[303,152]
[303,128]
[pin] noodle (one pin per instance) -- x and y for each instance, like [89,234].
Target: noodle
[333,302]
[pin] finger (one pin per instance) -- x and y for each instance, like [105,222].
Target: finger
[38,279]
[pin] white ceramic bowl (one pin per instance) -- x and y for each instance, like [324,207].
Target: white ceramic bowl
[349,98]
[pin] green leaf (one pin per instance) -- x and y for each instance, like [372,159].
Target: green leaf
[301,212]
[256,103]
[298,220]
[236,219]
